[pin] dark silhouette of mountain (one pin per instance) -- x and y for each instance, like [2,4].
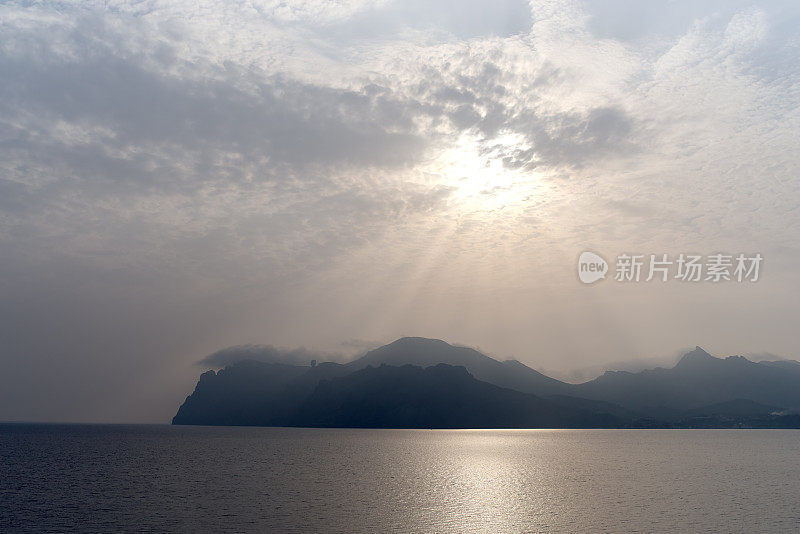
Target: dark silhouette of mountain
[439,396]
[787,365]
[734,408]
[699,391]
[596,406]
[425,352]
[697,380]
[252,393]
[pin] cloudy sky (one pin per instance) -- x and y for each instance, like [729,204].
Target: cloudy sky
[326,176]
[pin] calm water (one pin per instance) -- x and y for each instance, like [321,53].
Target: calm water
[195,479]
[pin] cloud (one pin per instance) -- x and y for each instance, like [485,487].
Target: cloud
[308,172]
[124,132]
[444,20]
[112,118]
[268,354]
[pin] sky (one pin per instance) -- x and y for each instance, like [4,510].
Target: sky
[323,177]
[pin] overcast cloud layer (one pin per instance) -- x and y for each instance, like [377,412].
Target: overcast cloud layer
[181,177]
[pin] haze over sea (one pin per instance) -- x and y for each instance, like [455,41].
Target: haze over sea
[57,478]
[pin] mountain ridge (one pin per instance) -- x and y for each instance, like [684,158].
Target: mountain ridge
[699,387]
[425,352]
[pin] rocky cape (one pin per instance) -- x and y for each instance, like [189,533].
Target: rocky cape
[428,383]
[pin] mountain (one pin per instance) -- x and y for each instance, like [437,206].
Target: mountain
[427,383]
[787,365]
[734,408]
[425,352]
[698,379]
[439,396]
[252,393]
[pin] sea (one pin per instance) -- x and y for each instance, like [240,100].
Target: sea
[161,478]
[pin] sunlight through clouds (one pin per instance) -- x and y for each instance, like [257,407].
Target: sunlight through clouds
[317,171]
[479,177]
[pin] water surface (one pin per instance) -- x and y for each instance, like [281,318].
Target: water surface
[220,479]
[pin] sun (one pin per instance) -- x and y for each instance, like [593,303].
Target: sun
[481,176]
